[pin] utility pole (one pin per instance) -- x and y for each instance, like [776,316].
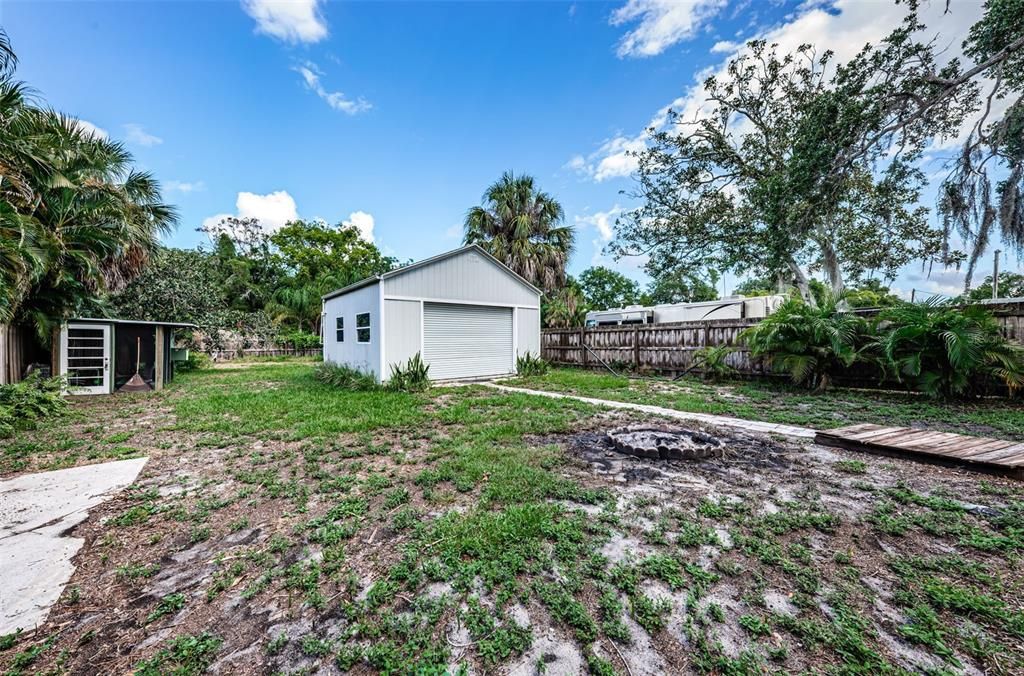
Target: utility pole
[995,275]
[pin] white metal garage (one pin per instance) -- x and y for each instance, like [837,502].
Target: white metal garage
[467,341]
[464,312]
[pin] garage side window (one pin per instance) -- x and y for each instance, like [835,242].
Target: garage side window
[339,328]
[363,327]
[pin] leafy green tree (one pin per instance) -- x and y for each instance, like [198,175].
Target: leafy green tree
[604,288]
[319,258]
[812,343]
[183,285]
[679,287]
[756,286]
[985,188]
[178,285]
[1011,285]
[775,178]
[247,266]
[522,227]
[949,351]
[871,293]
[313,250]
[76,220]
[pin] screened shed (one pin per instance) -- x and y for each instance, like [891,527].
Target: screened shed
[100,356]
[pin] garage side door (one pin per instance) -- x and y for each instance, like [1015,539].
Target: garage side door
[466,341]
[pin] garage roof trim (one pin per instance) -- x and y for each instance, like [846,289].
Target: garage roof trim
[428,261]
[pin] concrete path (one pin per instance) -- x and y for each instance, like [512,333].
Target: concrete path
[36,510]
[717,420]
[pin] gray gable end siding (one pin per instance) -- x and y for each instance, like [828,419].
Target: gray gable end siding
[467,276]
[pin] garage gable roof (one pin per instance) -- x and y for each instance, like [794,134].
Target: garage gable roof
[430,261]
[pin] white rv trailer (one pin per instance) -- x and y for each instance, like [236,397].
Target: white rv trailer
[731,307]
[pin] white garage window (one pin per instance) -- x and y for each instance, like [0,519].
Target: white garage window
[339,326]
[363,327]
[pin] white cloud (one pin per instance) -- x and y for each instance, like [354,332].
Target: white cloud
[610,160]
[943,282]
[273,210]
[134,133]
[336,100]
[844,26]
[601,221]
[288,20]
[725,47]
[91,129]
[363,222]
[663,23]
[183,186]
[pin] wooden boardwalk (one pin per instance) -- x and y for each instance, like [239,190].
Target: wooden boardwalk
[982,454]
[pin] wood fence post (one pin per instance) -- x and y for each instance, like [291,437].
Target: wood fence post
[636,348]
[583,345]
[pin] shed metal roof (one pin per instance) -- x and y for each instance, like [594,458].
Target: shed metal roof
[108,320]
[428,261]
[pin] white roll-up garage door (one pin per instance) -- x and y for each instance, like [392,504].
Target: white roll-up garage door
[467,341]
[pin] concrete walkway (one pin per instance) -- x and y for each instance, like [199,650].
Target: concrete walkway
[716,420]
[36,510]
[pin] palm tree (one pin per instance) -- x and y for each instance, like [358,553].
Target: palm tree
[566,309]
[98,221]
[811,343]
[947,350]
[521,227]
[75,219]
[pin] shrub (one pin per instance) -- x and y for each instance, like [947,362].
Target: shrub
[344,377]
[810,343]
[713,360]
[410,377]
[196,361]
[299,340]
[31,400]
[948,351]
[529,366]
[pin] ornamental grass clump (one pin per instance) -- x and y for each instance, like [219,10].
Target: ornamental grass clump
[413,376]
[529,366]
[344,377]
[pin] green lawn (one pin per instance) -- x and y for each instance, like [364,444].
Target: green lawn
[281,526]
[782,403]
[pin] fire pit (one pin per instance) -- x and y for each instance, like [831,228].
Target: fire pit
[664,443]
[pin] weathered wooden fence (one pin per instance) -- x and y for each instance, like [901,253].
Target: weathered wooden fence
[663,348]
[11,354]
[1011,318]
[227,355]
[672,348]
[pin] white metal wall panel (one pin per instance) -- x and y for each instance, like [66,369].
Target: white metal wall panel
[362,356]
[467,341]
[528,330]
[402,338]
[467,277]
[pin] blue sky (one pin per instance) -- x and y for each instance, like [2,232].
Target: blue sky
[396,116]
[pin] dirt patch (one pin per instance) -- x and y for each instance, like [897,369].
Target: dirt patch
[322,553]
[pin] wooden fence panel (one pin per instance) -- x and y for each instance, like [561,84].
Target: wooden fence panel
[228,355]
[672,348]
[665,348]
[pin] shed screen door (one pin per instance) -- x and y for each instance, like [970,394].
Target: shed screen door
[87,355]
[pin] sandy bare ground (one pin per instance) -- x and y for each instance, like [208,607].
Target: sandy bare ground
[288,554]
